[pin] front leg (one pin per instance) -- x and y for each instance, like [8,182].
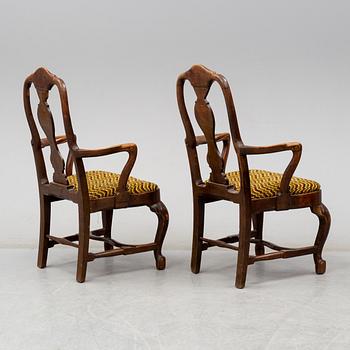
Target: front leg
[324,224]
[163,219]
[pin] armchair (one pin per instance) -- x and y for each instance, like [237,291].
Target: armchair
[255,191]
[92,191]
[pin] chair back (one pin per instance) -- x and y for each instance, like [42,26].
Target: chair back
[201,79]
[43,81]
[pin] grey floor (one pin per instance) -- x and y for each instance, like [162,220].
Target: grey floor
[127,304]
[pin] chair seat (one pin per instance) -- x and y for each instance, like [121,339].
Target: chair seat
[266,184]
[105,184]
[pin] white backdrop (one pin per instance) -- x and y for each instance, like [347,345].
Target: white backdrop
[288,66]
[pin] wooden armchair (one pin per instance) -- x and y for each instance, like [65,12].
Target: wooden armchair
[256,191]
[92,191]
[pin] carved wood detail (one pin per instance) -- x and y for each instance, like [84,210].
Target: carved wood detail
[205,119]
[48,126]
[201,79]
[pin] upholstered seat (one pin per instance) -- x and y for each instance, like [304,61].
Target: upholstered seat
[265,184]
[105,184]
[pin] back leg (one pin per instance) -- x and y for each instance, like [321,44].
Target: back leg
[198,227]
[107,217]
[324,224]
[83,249]
[163,219]
[243,246]
[45,217]
[258,221]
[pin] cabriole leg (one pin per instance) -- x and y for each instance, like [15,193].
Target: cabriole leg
[163,219]
[45,216]
[324,224]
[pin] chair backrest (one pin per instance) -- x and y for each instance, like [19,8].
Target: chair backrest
[201,79]
[43,82]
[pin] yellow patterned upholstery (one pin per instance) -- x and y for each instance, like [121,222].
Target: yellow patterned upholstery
[104,184]
[265,184]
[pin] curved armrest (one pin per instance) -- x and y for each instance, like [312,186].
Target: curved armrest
[131,148]
[288,146]
[295,147]
[98,152]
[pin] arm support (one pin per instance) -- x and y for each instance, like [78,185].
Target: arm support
[295,147]
[130,148]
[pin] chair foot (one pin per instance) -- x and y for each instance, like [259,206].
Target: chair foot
[240,284]
[163,220]
[241,274]
[320,266]
[81,275]
[81,270]
[160,262]
[195,269]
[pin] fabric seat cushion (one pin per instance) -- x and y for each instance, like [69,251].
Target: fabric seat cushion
[105,184]
[265,184]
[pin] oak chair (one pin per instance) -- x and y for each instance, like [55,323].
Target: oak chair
[92,191]
[256,191]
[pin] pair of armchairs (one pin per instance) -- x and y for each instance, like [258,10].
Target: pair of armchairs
[255,191]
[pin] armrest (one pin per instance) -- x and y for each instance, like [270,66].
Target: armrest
[98,152]
[131,148]
[295,147]
[288,146]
